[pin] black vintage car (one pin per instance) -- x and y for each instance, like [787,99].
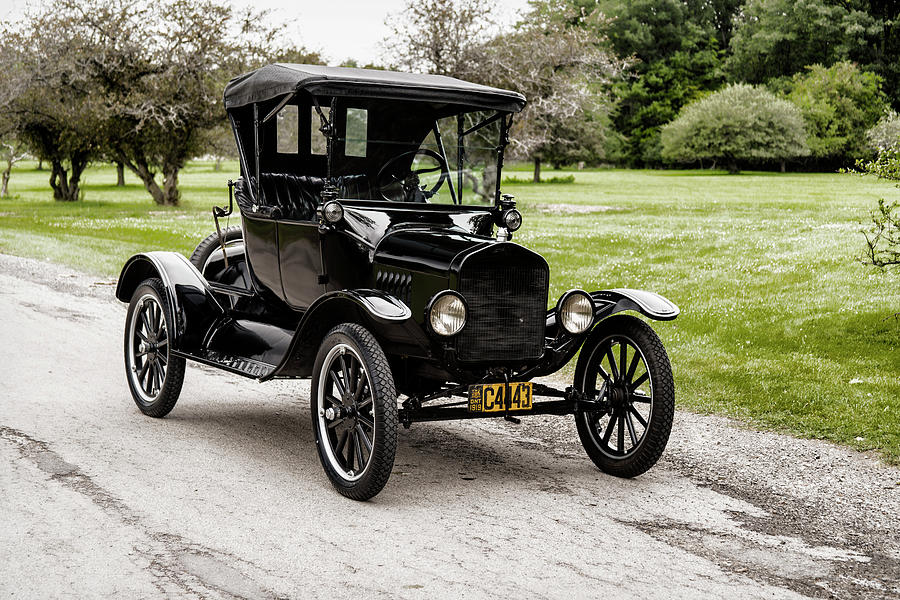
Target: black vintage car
[375,256]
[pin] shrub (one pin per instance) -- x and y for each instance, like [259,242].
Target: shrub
[738,122]
[885,134]
[839,104]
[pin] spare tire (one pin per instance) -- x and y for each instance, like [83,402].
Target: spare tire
[211,244]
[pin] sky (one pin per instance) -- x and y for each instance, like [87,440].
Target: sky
[340,29]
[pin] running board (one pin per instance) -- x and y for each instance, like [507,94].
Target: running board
[239,364]
[246,347]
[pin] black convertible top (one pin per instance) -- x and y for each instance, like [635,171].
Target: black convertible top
[279,79]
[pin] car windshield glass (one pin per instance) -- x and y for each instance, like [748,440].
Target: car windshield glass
[449,160]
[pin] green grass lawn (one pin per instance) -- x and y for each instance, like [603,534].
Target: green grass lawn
[781,326]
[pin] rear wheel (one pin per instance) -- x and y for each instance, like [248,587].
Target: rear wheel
[154,375]
[206,249]
[625,364]
[354,411]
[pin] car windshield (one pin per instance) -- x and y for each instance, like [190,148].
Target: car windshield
[448,160]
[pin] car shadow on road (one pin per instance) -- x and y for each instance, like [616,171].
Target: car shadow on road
[281,437]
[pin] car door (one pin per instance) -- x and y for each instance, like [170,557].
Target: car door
[300,259]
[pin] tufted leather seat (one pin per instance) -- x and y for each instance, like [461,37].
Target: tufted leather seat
[295,197]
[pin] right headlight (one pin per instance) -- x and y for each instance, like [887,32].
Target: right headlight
[447,313]
[575,311]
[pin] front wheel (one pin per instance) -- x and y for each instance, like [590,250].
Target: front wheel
[624,364]
[354,411]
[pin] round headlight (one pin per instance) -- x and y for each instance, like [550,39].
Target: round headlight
[333,211]
[447,314]
[576,312]
[512,219]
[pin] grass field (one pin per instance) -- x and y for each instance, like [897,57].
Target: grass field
[781,326]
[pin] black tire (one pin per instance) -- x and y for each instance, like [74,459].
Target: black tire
[641,396]
[154,375]
[363,419]
[211,244]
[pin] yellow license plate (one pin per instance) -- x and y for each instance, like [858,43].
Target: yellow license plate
[491,397]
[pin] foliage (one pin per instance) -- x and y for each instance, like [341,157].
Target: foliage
[47,98]
[445,37]
[885,134]
[883,235]
[675,45]
[739,122]
[560,69]
[776,38]
[550,180]
[839,104]
[129,80]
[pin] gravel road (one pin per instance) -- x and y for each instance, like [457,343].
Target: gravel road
[225,498]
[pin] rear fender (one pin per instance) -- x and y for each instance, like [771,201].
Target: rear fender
[389,320]
[192,307]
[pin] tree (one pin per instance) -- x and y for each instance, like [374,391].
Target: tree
[839,104]
[135,82]
[47,97]
[11,152]
[444,37]
[739,122]
[561,69]
[777,38]
[675,45]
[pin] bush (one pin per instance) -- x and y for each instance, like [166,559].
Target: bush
[560,179]
[739,122]
[883,235]
[885,134]
[839,104]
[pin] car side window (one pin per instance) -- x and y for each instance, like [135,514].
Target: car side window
[357,130]
[287,130]
[318,142]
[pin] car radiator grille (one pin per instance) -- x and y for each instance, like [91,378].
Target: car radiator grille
[507,302]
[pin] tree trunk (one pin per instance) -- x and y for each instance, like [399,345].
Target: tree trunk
[120,174]
[733,167]
[537,170]
[170,185]
[66,187]
[148,178]
[40,166]
[217,166]
[782,166]
[4,185]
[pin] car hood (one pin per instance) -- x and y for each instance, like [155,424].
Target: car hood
[430,249]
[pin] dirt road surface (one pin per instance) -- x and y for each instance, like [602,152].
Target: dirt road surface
[225,498]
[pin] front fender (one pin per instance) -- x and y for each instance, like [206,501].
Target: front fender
[192,306]
[389,320]
[649,304]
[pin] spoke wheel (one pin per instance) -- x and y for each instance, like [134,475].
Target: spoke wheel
[624,365]
[354,412]
[154,375]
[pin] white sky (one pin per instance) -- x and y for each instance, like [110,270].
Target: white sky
[340,29]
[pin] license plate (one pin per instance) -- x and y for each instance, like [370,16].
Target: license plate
[490,397]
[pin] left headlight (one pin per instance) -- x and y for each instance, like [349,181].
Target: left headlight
[575,311]
[333,211]
[447,314]
[512,219]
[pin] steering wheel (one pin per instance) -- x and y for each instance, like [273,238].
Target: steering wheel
[409,181]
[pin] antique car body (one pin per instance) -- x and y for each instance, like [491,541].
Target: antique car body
[348,269]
